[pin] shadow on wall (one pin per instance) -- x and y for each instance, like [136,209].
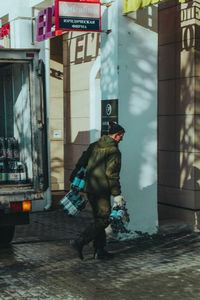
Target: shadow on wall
[72,50]
[73,152]
[56,74]
[188,127]
[193,180]
[55,183]
[178,125]
[78,50]
[56,169]
[138,114]
[146,18]
[178,108]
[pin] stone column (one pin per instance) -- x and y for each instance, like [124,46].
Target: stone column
[179,112]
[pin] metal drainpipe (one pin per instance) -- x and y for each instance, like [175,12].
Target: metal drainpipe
[48,192]
[32,25]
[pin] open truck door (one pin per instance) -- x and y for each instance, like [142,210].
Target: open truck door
[23,138]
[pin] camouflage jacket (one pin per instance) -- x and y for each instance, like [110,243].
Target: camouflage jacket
[102,160]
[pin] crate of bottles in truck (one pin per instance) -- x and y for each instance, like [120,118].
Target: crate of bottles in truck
[12,170]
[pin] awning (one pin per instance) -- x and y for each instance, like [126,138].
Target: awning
[133,5]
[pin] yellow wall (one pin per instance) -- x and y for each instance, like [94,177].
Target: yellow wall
[79,55]
[73,55]
[178,113]
[56,114]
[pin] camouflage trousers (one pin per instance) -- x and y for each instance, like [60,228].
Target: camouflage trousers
[95,232]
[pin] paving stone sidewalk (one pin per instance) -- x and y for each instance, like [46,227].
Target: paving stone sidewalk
[40,264]
[51,225]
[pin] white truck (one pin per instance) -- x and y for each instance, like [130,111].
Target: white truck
[23,139]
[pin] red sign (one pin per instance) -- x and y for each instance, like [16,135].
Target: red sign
[73,15]
[5,30]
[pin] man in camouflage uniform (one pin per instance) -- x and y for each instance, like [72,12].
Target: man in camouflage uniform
[103,161]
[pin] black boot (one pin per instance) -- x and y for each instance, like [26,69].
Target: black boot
[101,253]
[78,246]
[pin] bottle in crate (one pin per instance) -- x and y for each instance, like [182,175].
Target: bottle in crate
[3,174]
[119,219]
[81,203]
[78,201]
[114,213]
[9,148]
[68,206]
[71,209]
[79,181]
[2,149]
[13,173]
[72,203]
[22,172]
[15,149]
[64,201]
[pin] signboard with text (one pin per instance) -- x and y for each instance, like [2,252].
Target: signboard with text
[109,111]
[77,15]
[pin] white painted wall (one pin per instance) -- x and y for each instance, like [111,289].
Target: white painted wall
[138,113]
[15,8]
[41,3]
[19,17]
[129,73]
[109,52]
[95,101]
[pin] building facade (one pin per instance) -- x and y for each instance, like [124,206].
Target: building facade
[178,112]
[85,72]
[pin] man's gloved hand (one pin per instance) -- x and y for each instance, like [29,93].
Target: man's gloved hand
[119,200]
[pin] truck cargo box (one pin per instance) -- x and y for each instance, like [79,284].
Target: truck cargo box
[23,136]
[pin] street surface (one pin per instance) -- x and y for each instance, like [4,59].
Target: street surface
[40,264]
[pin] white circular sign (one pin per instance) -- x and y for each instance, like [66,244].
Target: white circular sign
[108,109]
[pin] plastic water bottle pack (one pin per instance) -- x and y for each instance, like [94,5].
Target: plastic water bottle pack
[119,219]
[73,202]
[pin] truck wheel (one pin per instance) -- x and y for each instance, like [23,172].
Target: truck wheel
[6,234]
